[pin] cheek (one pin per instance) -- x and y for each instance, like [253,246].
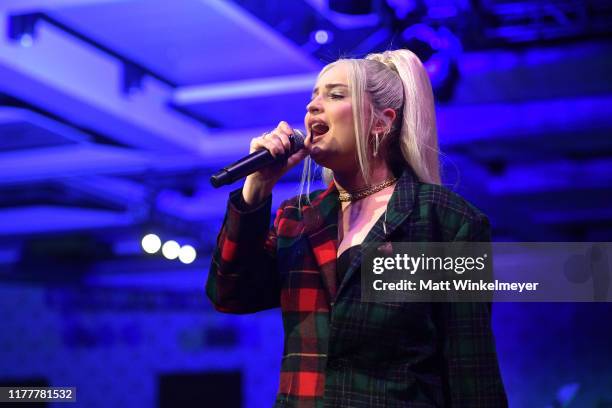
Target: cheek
[345,120]
[348,143]
[345,114]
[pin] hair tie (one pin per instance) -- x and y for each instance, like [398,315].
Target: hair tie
[389,63]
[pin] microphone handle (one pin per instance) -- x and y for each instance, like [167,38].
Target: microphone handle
[250,164]
[242,168]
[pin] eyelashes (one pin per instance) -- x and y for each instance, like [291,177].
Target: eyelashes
[330,96]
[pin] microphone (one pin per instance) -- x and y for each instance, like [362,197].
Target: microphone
[255,161]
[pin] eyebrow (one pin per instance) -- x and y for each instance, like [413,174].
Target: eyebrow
[330,86]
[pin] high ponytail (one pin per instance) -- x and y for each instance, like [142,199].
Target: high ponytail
[416,131]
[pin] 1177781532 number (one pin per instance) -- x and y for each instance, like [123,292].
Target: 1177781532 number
[37,394]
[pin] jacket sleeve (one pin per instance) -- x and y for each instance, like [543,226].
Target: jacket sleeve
[243,277]
[470,360]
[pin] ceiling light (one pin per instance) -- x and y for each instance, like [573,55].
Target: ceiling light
[187,254]
[151,243]
[171,249]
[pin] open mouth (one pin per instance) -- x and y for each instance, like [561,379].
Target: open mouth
[318,129]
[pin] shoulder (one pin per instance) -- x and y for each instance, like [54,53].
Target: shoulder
[445,201]
[294,206]
[456,217]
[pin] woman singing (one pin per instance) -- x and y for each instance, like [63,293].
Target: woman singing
[371,124]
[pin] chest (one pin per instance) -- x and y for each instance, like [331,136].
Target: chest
[350,235]
[356,220]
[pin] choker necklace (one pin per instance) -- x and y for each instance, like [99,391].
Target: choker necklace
[365,191]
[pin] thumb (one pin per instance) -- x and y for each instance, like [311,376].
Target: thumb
[297,157]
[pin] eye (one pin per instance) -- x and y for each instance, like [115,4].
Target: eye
[336,96]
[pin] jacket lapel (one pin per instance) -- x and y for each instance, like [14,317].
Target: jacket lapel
[321,228]
[398,209]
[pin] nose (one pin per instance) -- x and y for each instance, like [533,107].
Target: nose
[314,106]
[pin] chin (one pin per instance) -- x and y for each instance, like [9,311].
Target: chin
[320,156]
[325,157]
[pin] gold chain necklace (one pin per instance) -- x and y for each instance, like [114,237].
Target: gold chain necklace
[365,191]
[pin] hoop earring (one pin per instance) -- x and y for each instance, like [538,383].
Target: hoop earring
[376,144]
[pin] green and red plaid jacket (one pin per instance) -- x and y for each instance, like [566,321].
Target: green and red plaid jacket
[339,351]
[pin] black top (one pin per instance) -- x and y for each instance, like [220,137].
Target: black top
[344,261]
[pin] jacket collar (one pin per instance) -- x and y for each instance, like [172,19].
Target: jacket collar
[321,228]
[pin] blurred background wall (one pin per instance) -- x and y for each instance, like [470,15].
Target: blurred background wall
[114,114]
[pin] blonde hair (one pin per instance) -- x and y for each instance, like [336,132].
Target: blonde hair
[397,80]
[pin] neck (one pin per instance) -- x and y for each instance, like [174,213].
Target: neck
[352,181]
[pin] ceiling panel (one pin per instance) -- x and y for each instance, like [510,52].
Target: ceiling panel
[24,129]
[262,111]
[190,41]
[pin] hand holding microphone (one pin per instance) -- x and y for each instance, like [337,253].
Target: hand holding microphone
[271,156]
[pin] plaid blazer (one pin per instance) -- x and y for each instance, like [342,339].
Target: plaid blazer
[339,351]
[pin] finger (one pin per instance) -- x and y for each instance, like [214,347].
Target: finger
[277,145]
[283,130]
[276,142]
[257,143]
[273,145]
[284,138]
[284,127]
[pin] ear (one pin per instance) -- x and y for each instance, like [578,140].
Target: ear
[385,121]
